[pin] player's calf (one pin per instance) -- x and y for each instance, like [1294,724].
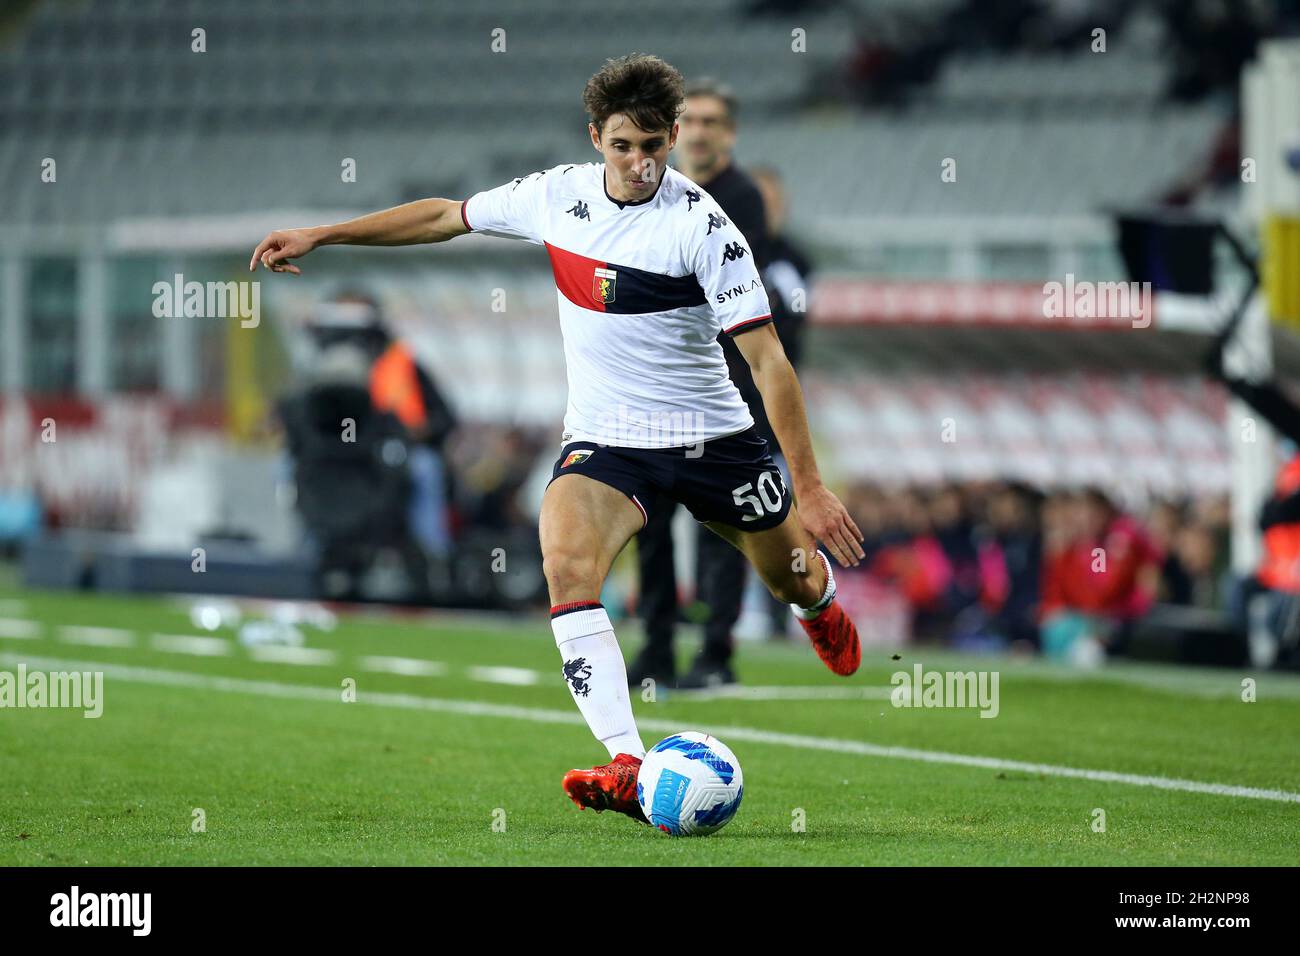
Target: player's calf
[804,583]
[783,557]
[597,677]
[799,574]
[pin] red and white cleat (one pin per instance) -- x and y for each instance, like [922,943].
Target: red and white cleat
[835,639]
[611,787]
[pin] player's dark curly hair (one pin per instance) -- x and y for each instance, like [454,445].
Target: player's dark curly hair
[644,87]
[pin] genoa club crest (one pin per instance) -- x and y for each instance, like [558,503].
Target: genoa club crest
[602,285]
[575,457]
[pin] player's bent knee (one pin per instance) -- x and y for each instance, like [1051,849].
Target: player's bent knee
[571,575]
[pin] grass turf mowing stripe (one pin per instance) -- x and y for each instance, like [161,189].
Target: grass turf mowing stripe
[95,636]
[284,654]
[19,629]
[191,644]
[539,715]
[782,692]
[409,666]
[516,676]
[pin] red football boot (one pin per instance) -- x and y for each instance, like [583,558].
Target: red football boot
[835,639]
[611,787]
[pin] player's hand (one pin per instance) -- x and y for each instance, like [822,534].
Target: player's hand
[279,247]
[827,520]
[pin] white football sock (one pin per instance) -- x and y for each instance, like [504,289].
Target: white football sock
[596,674]
[828,595]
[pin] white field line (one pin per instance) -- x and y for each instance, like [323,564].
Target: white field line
[1182,680]
[146,675]
[409,666]
[518,676]
[96,636]
[1197,682]
[191,644]
[283,654]
[18,628]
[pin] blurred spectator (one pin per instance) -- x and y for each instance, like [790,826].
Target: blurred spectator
[987,566]
[1014,520]
[1272,601]
[494,462]
[1195,547]
[1265,606]
[1099,583]
[911,558]
[1193,554]
[402,387]
[955,534]
[1164,524]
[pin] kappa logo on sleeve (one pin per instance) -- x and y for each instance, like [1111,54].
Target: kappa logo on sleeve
[733,251]
[577,456]
[539,174]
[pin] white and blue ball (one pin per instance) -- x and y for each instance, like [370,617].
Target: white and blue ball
[690,784]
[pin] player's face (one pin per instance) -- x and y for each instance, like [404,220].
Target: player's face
[634,158]
[708,135]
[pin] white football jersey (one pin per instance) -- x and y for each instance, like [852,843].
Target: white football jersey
[644,289]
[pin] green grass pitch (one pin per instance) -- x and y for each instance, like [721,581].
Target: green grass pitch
[459,767]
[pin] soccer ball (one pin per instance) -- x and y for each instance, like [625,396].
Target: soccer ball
[690,784]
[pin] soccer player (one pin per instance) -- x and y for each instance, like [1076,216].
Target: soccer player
[648,271]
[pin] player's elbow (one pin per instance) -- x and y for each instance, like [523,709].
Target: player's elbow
[444,220]
[769,360]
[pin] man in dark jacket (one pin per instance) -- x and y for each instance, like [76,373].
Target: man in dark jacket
[704,147]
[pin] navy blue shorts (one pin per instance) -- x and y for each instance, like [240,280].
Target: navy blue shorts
[732,480]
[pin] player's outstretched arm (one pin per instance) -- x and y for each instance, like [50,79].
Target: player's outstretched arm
[822,513]
[426,220]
